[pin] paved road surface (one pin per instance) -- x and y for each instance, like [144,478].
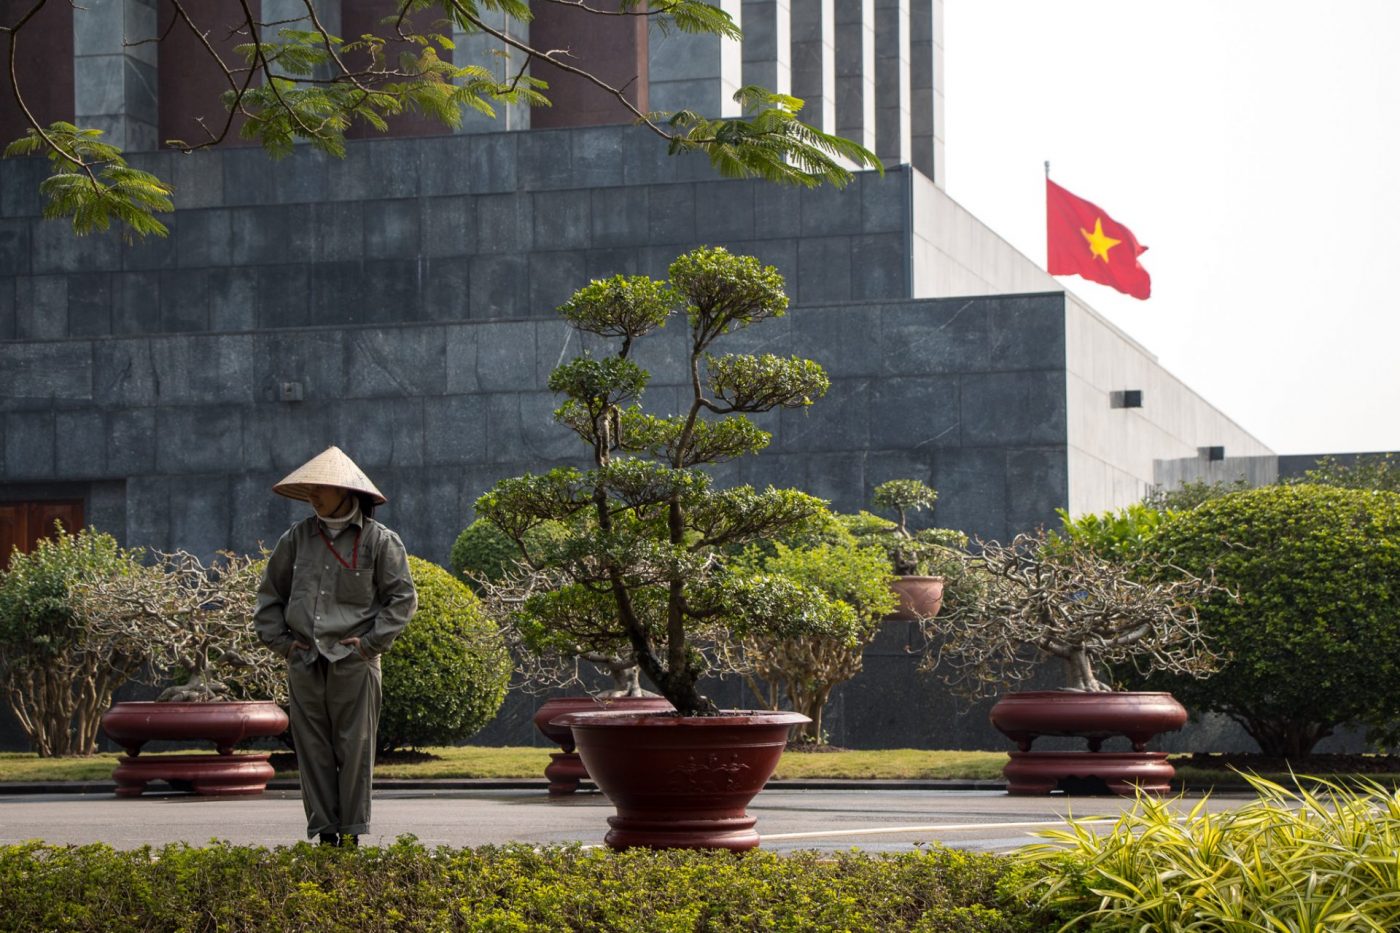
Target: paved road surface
[873,820]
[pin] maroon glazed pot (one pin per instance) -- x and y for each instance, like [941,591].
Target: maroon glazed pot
[919,598]
[1024,717]
[206,775]
[551,710]
[1121,773]
[565,769]
[225,723]
[681,781]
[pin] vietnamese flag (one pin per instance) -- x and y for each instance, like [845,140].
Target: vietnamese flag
[1085,241]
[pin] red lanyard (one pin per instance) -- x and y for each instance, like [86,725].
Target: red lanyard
[354,549]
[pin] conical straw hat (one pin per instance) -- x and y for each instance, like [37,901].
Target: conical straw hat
[328,468]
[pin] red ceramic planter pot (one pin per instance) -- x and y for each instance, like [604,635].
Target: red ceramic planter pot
[919,598]
[563,736]
[565,768]
[1023,717]
[681,781]
[132,725]
[1120,773]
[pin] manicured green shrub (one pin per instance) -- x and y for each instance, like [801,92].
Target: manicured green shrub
[1311,637]
[445,677]
[1292,860]
[406,887]
[1120,535]
[483,550]
[54,679]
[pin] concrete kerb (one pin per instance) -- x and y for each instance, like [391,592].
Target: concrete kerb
[471,784]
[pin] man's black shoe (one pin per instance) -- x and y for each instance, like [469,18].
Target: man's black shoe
[329,839]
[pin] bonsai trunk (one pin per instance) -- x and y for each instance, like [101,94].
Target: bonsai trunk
[1079,672]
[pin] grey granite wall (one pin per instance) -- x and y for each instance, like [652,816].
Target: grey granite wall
[398,303]
[959,393]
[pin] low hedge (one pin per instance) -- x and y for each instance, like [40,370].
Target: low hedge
[406,886]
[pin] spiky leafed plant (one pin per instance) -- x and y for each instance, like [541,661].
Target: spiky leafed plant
[643,569]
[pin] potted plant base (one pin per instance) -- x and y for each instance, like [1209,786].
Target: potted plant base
[225,723]
[1093,716]
[681,782]
[565,768]
[919,597]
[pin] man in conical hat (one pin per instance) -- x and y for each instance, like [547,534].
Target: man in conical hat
[336,593]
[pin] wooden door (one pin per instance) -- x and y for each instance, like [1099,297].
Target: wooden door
[24,523]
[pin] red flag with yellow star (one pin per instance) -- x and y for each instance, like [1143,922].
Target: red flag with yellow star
[1085,241]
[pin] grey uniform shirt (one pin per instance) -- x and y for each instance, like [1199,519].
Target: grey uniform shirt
[308,595]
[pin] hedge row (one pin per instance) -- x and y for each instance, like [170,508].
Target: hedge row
[406,886]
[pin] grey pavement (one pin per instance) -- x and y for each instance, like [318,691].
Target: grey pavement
[788,820]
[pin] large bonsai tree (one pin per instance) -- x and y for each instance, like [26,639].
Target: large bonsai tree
[644,569]
[1313,640]
[190,622]
[1057,598]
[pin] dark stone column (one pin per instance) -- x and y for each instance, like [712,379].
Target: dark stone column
[190,80]
[612,47]
[45,66]
[363,17]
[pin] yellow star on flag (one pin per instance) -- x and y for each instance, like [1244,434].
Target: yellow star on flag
[1099,244]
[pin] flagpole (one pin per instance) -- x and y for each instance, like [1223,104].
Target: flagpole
[1047,168]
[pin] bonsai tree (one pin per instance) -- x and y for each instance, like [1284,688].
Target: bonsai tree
[57,681]
[493,567]
[446,677]
[1312,642]
[645,569]
[189,620]
[1062,600]
[911,553]
[802,671]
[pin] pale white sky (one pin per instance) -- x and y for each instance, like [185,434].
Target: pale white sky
[1252,145]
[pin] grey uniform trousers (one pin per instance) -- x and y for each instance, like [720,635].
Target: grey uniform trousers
[335,720]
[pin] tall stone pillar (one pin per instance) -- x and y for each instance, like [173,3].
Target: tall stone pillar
[504,63]
[892,135]
[614,48]
[45,46]
[926,88]
[697,72]
[768,44]
[855,71]
[814,61]
[114,83]
[191,82]
[364,17]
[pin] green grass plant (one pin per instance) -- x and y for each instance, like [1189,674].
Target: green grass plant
[479,761]
[1317,857]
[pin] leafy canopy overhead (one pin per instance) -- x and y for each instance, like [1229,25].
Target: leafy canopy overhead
[288,84]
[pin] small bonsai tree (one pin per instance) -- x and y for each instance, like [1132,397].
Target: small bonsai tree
[1060,599]
[645,570]
[446,677]
[911,553]
[803,670]
[56,680]
[186,620]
